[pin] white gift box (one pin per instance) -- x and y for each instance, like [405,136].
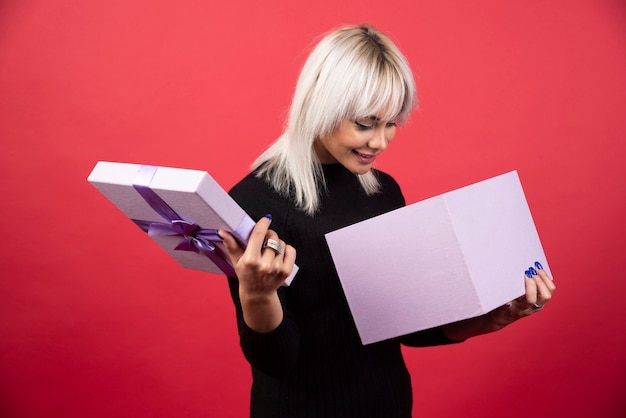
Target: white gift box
[180,209]
[448,258]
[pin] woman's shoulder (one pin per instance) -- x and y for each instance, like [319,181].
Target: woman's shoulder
[382,175]
[386,180]
[389,190]
[257,197]
[250,182]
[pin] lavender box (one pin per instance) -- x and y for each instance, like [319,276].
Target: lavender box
[448,258]
[151,196]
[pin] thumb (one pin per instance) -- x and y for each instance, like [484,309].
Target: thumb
[231,244]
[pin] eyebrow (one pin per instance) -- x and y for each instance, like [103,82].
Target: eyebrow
[377,119]
[370,117]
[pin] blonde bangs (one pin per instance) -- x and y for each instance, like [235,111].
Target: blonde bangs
[385,95]
[381,85]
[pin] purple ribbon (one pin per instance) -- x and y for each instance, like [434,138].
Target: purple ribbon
[194,238]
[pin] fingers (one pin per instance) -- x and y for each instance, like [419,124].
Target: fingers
[545,287]
[273,246]
[539,290]
[531,291]
[257,237]
[266,261]
[277,257]
[278,252]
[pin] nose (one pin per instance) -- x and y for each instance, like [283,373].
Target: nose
[379,140]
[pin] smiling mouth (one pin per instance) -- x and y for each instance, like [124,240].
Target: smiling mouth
[365,156]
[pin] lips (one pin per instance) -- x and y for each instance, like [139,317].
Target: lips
[365,158]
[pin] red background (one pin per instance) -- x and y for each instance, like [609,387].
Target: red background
[96,321]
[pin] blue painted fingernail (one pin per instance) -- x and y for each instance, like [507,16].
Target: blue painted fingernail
[532,271]
[527,273]
[268,216]
[538,265]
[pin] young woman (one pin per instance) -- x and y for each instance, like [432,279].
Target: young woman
[301,342]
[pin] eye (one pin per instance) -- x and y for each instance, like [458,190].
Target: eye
[365,123]
[391,124]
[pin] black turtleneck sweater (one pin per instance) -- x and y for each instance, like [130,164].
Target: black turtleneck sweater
[313,364]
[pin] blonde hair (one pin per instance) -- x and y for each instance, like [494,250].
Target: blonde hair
[353,72]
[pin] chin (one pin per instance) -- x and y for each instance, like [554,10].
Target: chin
[360,170]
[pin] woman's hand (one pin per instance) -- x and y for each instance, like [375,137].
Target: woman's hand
[261,270]
[539,291]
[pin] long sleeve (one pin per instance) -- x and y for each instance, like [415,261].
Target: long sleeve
[427,338]
[273,353]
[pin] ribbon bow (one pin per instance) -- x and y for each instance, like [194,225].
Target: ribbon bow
[194,238]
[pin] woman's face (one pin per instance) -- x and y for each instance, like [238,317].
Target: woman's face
[356,144]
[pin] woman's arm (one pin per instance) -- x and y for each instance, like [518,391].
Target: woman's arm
[269,337]
[261,271]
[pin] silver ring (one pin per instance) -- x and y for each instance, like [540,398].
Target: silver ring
[274,245]
[537,306]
